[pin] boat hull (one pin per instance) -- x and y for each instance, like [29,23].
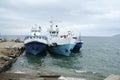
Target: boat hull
[77,47]
[35,48]
[64,49]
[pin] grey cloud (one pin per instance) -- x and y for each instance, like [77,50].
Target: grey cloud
[102,14]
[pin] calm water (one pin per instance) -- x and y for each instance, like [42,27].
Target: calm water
[99,57]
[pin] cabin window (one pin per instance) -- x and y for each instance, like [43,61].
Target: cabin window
[33,30]
[53,32]
[40,37]
[38,30]
[27,37]
[43,37]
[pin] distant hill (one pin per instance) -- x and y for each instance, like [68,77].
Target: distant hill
[117,35]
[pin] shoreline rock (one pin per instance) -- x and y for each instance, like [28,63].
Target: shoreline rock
[113,77]
[9,52]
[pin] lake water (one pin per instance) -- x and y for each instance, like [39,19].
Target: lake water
[98,58]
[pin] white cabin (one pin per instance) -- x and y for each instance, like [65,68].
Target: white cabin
[35,31]
[53,30]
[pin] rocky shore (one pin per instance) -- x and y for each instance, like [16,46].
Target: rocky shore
[9,51]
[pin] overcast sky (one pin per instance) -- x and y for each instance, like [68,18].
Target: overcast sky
[90,17]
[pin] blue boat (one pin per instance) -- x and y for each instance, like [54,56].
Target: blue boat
[35,43]
[78,45]
[61,49]
[61,45]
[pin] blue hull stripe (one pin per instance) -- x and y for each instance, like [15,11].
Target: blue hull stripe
[61,49]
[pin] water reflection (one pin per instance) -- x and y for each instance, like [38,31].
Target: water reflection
[38,60]
[70,62]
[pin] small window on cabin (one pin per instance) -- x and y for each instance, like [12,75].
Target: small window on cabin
[43,37]
[25,37]
[33,30]
[53,32]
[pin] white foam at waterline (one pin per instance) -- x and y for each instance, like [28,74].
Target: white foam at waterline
[20,72]
[72,78]
[78,71]
[62,78]
[69,78]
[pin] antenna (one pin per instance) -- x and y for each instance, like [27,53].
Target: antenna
[51,22]
[80,36]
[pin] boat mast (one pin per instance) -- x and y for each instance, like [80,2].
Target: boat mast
[79,37]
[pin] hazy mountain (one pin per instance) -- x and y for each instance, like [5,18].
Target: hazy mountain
[117,35]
